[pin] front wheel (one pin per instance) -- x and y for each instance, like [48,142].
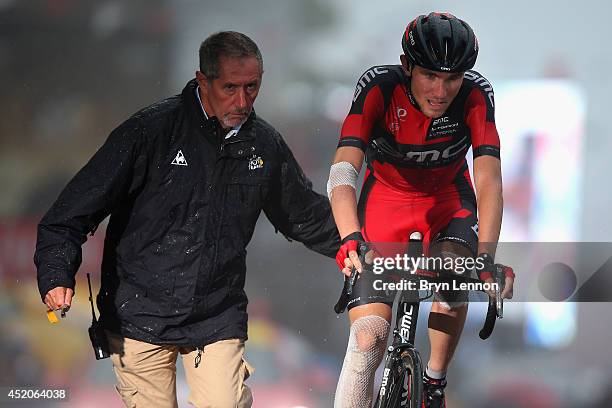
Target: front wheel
[402,382]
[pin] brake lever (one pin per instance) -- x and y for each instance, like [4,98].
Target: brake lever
[499,301]
[351,281]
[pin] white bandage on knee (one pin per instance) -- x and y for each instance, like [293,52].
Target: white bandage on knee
[366,346]
[341,174]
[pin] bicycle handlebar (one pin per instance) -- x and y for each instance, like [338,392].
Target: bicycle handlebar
[347,291]
[495,309]
[496,306]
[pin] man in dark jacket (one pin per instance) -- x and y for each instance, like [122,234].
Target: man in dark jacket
[184,181]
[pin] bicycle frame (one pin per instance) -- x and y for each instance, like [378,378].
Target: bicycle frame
[402,356]
[404,334]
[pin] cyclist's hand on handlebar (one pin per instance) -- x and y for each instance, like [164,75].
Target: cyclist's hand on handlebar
[508,291]
[354,261]
[486,273]
[347,255]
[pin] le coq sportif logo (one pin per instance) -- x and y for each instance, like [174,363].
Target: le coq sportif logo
[179,160]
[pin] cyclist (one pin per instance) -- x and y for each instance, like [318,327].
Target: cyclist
[414,123]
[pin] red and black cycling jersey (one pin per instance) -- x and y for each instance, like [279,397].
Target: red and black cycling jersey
[407,150]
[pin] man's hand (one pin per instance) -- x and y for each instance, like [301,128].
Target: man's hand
[508,291]
[347,255]
[59,298]
[485,274]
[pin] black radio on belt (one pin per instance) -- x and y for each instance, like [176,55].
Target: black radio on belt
[96,331]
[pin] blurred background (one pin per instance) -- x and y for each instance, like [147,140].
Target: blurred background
[71,71]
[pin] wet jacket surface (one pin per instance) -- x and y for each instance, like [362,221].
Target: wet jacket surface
[183,203]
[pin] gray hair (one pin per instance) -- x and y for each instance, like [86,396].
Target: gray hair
[225,44]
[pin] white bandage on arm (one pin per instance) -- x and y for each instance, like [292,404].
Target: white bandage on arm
[341,174]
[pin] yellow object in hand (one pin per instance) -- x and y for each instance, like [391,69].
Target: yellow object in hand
[52,317]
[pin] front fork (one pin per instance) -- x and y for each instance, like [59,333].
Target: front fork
[403,341]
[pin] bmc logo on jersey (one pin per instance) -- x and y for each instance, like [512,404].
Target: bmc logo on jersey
[482,82]
[440,121]
[367,78]
[432,156]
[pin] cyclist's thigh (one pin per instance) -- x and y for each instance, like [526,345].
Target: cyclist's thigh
[368,290]
[458,236]
[458,239]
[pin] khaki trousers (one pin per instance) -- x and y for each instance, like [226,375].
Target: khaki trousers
[146,374]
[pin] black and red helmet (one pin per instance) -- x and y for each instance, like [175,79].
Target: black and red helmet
[440,42]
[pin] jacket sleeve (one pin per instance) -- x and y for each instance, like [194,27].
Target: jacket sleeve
[87,199]
[299,212]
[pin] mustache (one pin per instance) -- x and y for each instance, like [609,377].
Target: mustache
[242,112]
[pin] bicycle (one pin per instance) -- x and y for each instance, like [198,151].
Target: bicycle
[402,381]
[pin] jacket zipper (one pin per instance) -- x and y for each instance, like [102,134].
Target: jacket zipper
[213,188]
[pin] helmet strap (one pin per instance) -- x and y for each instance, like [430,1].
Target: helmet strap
[406,64]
